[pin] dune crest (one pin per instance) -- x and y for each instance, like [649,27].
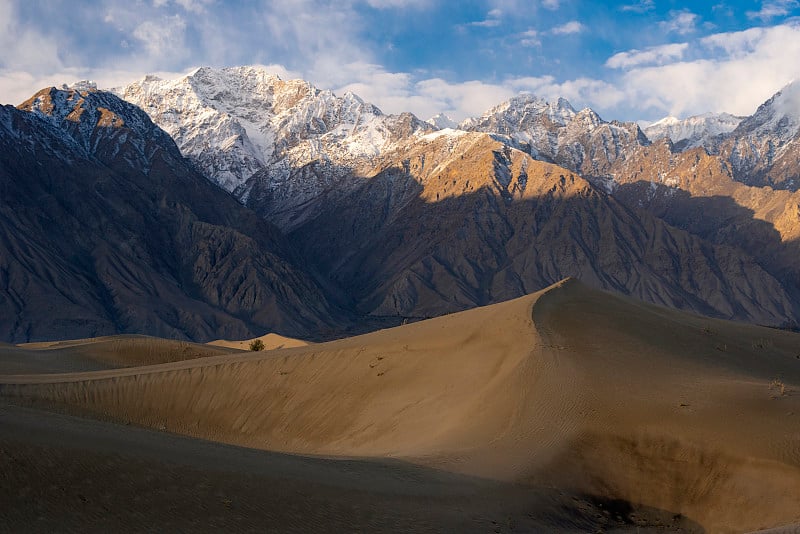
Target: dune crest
[271,342]
[98,353]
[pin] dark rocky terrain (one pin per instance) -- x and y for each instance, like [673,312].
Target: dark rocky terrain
[106,228]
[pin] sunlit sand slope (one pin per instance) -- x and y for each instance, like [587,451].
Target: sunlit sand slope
[570,388]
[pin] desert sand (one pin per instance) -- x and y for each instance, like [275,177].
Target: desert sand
[570,409]
[271,342]
[94,354]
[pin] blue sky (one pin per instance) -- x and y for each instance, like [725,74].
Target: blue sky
[639,59]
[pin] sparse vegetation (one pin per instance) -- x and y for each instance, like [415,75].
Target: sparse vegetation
[762,344]
[256,345]
[778,386]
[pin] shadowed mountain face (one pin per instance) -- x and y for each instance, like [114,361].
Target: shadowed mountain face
[454,221]
[698,192]
[105,228]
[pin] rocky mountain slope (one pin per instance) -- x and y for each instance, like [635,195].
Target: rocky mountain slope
[554,132]
[761,149]
[765,148]
[698,192]
[252,133]
[106,228]
[470,221]
[424,223]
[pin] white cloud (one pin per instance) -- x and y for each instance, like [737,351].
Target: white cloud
[657,55]
[492,19]
[735,44]
[24,47]
[281,71]
[773,8]
[529,38]
[195,6]
[552,5]
[570,27]
[680,22]
[398,92]
[389,4]
[487,23]
[739,71]
[642,6]
[581,92]
[654,82]
[16,86]
[163,37]
[731,72]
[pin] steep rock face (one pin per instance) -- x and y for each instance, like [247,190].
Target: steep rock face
[106,228]
[706,130]
[697,191]
[765,148]
[554,132]
[453,220]
[246,128]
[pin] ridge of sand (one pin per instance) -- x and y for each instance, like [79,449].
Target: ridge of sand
[100,353]
[570,388]
[271,342]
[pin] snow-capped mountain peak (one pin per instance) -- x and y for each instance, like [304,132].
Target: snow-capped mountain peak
[666,122]
[779,116]
[764,148]
[82,85]
[553,131]
[249,130]
[236,122]
[695,131]
[441,121]
[520,112]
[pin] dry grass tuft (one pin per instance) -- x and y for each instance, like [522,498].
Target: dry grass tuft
[778,386]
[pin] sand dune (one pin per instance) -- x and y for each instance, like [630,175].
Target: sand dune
[570,388]
[271,342]
[108,352]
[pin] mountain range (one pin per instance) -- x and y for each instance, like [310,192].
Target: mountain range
[107,228]
[231,202]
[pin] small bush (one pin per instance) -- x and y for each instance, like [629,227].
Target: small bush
[256,345]
[778,386]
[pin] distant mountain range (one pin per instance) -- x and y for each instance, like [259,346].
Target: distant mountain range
[348,218]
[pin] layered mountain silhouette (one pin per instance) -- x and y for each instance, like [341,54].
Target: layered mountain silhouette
[270,205]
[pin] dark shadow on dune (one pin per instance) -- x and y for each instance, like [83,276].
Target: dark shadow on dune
[65,473]
[640,517]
